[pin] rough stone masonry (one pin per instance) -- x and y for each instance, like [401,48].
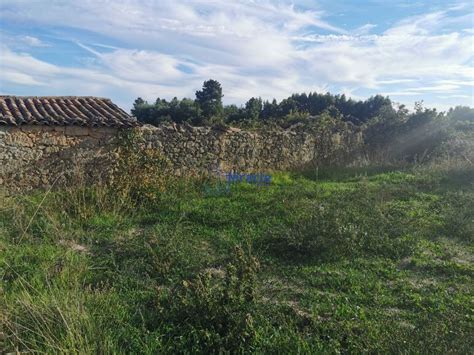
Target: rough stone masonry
[44,139]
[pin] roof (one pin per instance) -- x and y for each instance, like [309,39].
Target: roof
[84,111]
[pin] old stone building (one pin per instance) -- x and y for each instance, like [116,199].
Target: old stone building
[37,133]
[43,138]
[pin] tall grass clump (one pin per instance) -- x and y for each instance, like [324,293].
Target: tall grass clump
[52,320]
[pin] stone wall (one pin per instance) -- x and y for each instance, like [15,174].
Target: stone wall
[34,156]
[203,148]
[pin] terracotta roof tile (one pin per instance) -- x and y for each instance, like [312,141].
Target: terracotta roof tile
[63,111]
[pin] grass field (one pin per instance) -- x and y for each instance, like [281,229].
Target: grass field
[352,260]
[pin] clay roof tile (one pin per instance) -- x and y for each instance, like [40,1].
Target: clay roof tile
[63,110]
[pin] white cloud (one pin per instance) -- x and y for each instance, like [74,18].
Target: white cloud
[254,48]
[15,77]
[13,60]
[32,41]
[409,53]
[21,42]
[453,96]
[364,30]
[139,65]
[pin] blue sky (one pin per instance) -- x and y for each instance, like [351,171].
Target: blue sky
[122,49]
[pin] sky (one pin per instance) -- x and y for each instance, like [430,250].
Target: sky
[124,49]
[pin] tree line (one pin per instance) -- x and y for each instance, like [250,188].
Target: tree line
[207,109]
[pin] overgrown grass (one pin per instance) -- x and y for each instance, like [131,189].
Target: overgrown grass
[374,260]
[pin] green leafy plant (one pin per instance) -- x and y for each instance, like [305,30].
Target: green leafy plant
[140,172]
[217,307]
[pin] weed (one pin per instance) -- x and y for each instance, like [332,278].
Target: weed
[372,261]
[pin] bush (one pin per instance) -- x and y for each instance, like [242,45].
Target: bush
[216,309]
[141,173]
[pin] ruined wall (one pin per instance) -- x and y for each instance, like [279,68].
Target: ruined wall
[33,156]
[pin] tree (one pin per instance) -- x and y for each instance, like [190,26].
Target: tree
[209,99]
[161,111]
[269,110]
[253,109]
[137,105]
[421,119]
[302,102]
[288,106]
[138,102]
[461,113]
[188,111]
[143,111]
[233,114]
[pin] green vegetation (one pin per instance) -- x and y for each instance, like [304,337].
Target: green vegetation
[391,133]
[353,260]
[207,110]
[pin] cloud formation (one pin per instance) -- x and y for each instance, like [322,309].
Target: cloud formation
[133,48]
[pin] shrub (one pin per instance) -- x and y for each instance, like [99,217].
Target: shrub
[215,309]
[140,172]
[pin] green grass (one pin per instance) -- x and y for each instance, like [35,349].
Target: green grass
[374,260]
